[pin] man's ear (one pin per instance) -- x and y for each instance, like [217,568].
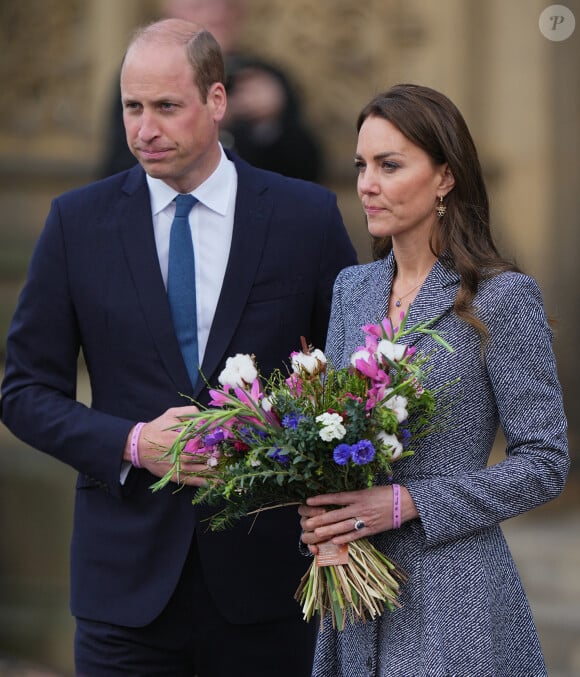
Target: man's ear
[217,99]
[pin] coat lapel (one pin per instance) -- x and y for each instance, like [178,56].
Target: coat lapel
[251,225]
[434,300]
[136,231]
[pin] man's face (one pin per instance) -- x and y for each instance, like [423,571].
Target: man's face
[172,133]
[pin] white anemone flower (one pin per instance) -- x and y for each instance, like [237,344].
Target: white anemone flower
[240,371]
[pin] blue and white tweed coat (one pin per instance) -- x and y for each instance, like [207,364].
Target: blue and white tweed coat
[464,612]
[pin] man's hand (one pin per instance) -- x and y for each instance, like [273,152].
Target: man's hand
[156,438]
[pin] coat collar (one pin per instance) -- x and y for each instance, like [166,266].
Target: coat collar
[435,298]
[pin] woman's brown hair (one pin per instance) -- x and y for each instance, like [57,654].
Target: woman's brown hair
[463,238]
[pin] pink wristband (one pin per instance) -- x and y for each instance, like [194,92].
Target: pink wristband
[134,445]
[396,506]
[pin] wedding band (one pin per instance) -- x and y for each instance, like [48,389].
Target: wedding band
[358,524]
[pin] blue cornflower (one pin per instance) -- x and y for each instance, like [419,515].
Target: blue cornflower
[292,420]
[214,437]
[277,454]
[248,435]
[363,452]
[341,454]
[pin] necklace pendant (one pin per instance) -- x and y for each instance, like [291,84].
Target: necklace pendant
[398,303]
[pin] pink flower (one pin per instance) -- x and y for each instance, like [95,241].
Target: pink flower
[382,330]
[351,396]
[253,397]
[194,446]
[365,362]
[375,395]
[294,383]
[219,398]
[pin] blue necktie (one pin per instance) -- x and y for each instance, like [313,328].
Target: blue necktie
[181,284]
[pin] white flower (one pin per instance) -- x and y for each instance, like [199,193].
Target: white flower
[255,463]
[314,363]
[362,354]
[240,371]
[391,442]
[398,404]
[332,428]
[212,461]
[392,351]
[267,403]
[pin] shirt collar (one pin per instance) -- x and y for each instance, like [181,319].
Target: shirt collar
[214,192]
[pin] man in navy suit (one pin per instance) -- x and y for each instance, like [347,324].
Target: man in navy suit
[154,591]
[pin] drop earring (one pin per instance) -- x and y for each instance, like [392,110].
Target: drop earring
[441,209]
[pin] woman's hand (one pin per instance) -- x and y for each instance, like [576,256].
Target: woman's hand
[321,519]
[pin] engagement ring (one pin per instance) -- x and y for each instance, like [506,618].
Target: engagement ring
[358,524]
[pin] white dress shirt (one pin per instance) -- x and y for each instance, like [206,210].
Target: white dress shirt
[211,222]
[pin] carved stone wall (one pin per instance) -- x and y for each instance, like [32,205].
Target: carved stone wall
[45,68]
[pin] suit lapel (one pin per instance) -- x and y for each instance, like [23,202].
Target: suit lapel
[251,225]
[136,232]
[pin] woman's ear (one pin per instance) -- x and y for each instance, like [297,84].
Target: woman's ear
[447,180]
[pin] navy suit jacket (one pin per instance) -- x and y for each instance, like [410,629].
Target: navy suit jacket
[95,285]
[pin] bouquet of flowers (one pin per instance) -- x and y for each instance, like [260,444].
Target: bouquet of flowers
[314,430]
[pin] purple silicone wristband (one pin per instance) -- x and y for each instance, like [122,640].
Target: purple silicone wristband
[396,506]
[135,445]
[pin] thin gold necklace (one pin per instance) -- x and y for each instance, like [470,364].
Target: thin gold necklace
[399,299]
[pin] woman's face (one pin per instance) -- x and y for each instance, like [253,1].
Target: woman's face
[398,183]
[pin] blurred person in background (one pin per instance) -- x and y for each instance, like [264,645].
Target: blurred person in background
[264,122]
[153,590]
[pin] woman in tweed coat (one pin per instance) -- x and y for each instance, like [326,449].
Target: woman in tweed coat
[464,612]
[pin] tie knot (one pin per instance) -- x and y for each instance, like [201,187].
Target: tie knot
[183,205]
